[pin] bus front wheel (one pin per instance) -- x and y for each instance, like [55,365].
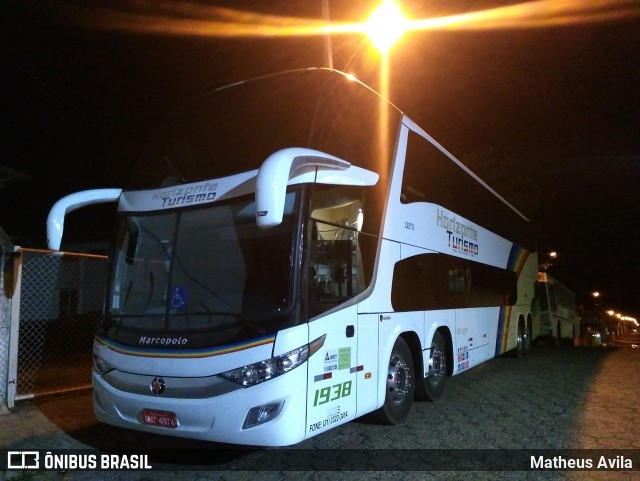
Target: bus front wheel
[400,385]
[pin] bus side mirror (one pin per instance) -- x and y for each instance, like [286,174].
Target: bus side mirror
[274,175]
[71,202]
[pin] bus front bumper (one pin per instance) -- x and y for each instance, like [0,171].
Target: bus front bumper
[221,418]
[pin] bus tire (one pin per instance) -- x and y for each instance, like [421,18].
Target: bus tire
[400,385]
[433,383]
[521,340]
[529,339]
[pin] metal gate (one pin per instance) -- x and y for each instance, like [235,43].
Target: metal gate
[60,297]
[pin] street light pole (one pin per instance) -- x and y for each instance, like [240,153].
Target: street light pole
[328,46]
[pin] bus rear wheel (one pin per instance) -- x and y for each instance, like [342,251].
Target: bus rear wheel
[432,385]
[400,385]
[521,340]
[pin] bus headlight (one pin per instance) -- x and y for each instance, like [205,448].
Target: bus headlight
[100,365]
[258,372]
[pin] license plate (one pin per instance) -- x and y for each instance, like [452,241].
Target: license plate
[164,419]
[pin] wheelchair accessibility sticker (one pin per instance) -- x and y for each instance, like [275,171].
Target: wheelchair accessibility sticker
[179,298]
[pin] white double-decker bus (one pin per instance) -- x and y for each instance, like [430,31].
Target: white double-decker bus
[302,254]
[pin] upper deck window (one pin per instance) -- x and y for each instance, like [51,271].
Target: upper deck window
[431,176]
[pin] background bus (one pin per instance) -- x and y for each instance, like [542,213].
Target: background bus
[559,316]
[302,254]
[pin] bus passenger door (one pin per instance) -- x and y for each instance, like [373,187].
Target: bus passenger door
[331,392]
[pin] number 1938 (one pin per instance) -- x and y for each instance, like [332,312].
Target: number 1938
[331,393]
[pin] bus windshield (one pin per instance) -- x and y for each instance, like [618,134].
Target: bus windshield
[206,276]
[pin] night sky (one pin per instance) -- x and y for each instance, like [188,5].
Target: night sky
[549,115]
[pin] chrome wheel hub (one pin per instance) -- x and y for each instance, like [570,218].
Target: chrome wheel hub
[398,379]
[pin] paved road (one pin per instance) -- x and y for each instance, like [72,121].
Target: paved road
[556,398]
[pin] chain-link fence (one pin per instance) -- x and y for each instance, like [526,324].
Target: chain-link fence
[61,299]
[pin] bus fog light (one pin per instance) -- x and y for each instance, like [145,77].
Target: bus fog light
[262,414]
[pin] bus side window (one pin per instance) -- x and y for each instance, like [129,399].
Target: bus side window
[339,267]
[440,281]
[334,270]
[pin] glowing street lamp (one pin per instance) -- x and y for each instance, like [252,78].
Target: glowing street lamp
[386,25]
[545,266]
